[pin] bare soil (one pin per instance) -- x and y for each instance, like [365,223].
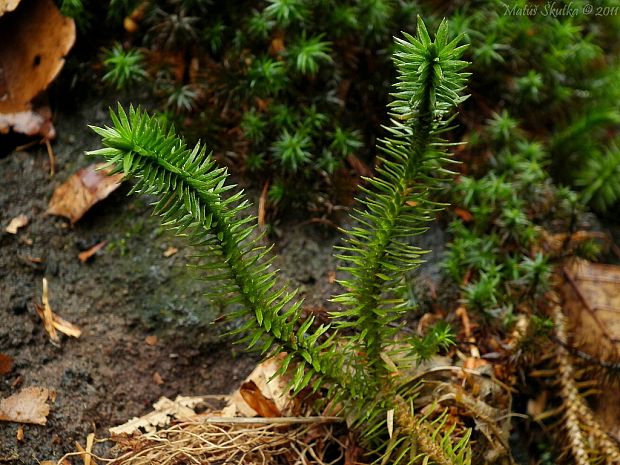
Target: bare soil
[125,293]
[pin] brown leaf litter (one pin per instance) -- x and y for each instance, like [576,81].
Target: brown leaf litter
[175,433]
[27,406]
[81,191]
[34,39]
[591,296]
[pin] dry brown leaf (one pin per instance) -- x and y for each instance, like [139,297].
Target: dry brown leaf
[463,214]
[264,406]
[73,198]
[170,251]
[6,364]
[84,256]
[34,39]
[271,386]
[20,434]
[18,222]
[27,406]
[591,295]
[151,340]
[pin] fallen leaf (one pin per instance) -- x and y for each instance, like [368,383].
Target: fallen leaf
[34,39]
[27,406]
[84,256]
[151,340]
[264,406]
[463,214]
[591,300]
[6,364]
[272,387]
[20,434]
[157,379]
[18,222]
[73,198]
[32,259]
[591,294]
[170,251]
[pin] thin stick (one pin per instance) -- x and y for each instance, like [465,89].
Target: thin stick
[51,156]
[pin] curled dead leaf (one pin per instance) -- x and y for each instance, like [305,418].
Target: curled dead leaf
[271,386]
[264,406]
[73,198]
[27,406]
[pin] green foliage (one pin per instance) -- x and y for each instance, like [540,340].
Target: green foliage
[309,53]
[398,205]
[354,355]
[267,75]
[286,11]
[76,9]
[124,68]
[292,150]
[600,178]
[182,99]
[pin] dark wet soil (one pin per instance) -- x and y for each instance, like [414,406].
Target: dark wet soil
[125,293]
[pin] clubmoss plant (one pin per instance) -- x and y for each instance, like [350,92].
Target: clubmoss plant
[361,357]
